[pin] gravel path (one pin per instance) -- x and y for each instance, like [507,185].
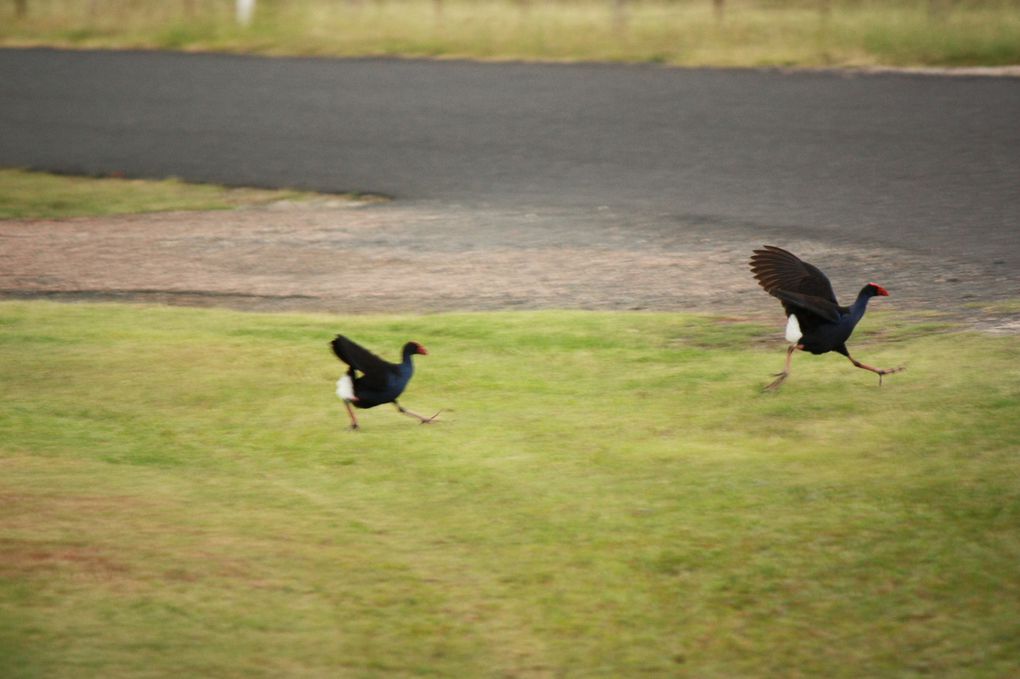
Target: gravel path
[333,257]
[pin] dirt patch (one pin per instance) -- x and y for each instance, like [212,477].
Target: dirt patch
[19,558]
[423,258]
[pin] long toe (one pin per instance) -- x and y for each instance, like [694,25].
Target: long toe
[775,384]
[889,371]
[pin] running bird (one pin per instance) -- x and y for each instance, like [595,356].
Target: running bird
[816,322]
[380,381]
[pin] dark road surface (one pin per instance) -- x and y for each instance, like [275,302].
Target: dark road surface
[928,167]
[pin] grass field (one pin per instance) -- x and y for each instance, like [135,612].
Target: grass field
[39,195]
[607,495]
[681,32]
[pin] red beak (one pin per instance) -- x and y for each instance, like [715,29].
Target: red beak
[879,290]
[424,352]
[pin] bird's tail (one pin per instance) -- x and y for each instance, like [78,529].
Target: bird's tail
[345,388]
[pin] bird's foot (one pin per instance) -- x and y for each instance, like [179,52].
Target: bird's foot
[889,371]
[430,420]
[775,384]
[354,427]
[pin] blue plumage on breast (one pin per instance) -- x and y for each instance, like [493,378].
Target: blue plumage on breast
[821,336]
[825,337]
[371,395]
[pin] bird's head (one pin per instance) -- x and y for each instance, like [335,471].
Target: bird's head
[414,348]
[874,289]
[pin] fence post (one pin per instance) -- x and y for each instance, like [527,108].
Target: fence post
[245,11]
[620,17]
[523,11]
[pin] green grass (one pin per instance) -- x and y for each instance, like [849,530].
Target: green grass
[682,32]
[38,195]
[607,495]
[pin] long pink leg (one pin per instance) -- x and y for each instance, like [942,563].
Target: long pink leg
[354,420]
[781,377]
[877,371]
[411,413]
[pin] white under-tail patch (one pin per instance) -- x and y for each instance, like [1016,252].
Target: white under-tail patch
[793,333]
[345,388]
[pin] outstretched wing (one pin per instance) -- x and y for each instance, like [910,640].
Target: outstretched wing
[793,301]
[374,369]
[775,268]
[796,283]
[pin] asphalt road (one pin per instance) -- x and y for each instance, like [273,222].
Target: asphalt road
[923,165]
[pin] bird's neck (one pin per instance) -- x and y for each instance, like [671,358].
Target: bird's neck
[860,305]
[407,364]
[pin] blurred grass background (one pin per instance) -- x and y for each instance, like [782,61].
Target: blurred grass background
[607,494]
[679,32]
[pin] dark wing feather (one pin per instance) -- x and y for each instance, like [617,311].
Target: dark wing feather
[777,269]
[823,308]
[360,358]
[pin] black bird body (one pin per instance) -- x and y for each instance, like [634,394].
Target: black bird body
[379,381]
[819,335]
[816,322]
